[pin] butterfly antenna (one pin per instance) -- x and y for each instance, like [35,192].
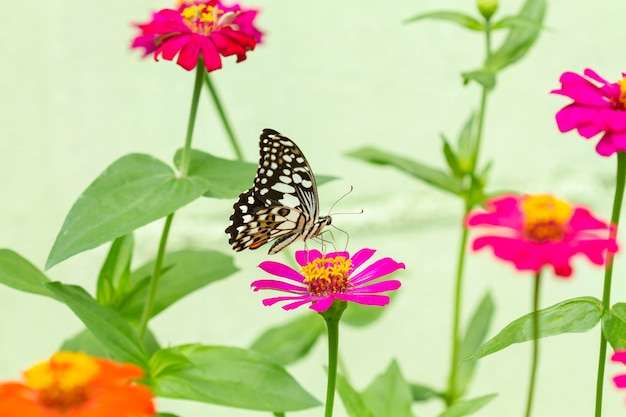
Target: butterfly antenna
[339,199]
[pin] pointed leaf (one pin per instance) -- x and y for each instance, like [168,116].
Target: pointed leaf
[614,326]
[16,272]
[467,144]
[521,38]
[451,158]
[467,407]
[423,393]
[432,176]
[352,400]
[571,316]
[226,178]
[289,342]
[516,21]
[132,192]
[474,337]
[227,376]
[389,395]
[183,273]
[115,334]
[484,77]
[115,271]
[458,18]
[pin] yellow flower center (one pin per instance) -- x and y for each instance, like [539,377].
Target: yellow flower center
[326,276]
[545,218]
[62,381]
[622,93]
[203,18]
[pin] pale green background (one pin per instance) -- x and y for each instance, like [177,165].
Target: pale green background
[334,76]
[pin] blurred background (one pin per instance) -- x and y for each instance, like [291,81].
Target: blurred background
[333,76]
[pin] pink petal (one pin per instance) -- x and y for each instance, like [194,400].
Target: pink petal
[274,300]
[322,304]
[281,270]
[271,284]
[620,381]
[370,300]
[361,257]
[303,257]
[389,285]
[582,219]
[619,356]
[211,56]
[190,53]
[296,304]
[171,46]
[606,147]
[378,269]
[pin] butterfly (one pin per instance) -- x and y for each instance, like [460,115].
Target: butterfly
[282,205]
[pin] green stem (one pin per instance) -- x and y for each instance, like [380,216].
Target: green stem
[535,360]
[186,157]
[454,361]
[184,170]
[608,274]
[222,113]
[332,317]
[154,280]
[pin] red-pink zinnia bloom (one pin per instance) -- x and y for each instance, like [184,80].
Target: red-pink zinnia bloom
[199,28]
[599,107]
[325,278]
[620,380]
[533,231]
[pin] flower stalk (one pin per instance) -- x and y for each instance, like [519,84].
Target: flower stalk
[332,316]
[535,354]
[222,113]
[184,171]
[608,274]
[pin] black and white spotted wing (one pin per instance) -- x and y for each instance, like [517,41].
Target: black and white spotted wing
[282,204]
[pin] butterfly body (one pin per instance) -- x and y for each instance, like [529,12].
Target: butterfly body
[282,205]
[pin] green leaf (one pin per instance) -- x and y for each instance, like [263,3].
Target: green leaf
[85,341]
[521,38]
[115,334]
[183,273]
[467,407]
[514,22]
[166,415]
[467,144]
[16,272]
[226,178]
[571,316]
[614,326]
[389,395]
[352,400]
[227,376]
[289,342]
[484,77]
[474,337]
[451,158]
[423,393]
[360,315]
[114,275]
[432,176]
[132,192]
[458,18]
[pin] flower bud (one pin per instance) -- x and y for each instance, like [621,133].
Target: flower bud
[487,7]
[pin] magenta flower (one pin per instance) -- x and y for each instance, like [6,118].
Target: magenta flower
[324,278]
[619,380]
[533,231]
[205,28]
[598,107]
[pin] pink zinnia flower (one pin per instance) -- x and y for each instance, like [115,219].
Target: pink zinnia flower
[324,278]
[619,380]
[598,107]
[207,28]
[533,231]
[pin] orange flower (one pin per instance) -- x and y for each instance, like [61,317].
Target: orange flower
[77,385]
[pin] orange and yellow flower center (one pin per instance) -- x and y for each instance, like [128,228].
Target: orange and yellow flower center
[204,18]
[326,276]
[545,218]
[62,382]
[622,93]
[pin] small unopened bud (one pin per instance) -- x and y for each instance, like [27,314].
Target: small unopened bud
[487,7]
